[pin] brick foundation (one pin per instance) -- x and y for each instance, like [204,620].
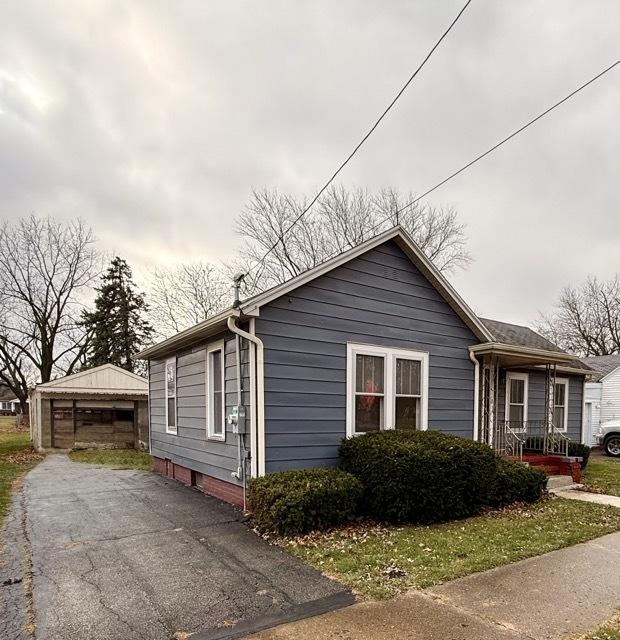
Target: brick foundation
[183,475]
[217,488]
[223,490]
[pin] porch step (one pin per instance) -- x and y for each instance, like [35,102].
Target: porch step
[556,482]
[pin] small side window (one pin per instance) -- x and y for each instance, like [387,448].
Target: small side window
[171,396]
[216,419]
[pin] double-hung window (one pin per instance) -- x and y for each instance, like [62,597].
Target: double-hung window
[216,420]
[516,399]
[171,395]
[560,404]
[386,389]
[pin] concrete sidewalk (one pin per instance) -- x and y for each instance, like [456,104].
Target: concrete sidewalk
[573,493]
[568,591]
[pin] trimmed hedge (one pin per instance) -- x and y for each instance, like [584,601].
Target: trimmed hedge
[515,482]
[420,476]
[535,443]
[292,502]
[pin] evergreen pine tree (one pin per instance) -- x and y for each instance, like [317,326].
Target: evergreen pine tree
[117,327]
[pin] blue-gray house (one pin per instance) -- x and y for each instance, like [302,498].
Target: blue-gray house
[375,338]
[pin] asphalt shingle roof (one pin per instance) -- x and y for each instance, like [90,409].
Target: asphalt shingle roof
[518,335]
[603,365]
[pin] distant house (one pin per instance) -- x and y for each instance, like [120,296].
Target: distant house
[375,338]
[602,399]
[101,407]
[9,404]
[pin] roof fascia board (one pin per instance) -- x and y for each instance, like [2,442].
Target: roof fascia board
[500,348]
[187,336]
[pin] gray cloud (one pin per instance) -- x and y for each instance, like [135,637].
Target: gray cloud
[154,120]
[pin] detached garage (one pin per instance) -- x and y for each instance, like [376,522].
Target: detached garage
[102,407]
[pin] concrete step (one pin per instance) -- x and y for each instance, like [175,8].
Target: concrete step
[556,482]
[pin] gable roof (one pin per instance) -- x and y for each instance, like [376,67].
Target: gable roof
[492,333]
[251,306]
[603,365]
[519,335]
[104,379]
[6,394]
[409,248]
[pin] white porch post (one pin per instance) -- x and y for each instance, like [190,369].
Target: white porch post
[489,399]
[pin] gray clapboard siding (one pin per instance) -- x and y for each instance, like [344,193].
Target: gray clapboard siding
[190,446]
[382,299]
[536,399]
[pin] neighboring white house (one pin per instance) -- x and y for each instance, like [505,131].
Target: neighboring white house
[602,394]
[9,404]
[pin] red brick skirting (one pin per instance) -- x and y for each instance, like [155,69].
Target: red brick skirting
[223,490]
[218,488]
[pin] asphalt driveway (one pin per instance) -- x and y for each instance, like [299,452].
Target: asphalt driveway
[108,554]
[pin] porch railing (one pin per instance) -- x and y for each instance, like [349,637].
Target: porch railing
[509,439]
[513,437]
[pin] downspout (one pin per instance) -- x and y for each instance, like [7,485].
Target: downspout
[260,386]
[473,358]
[240,473]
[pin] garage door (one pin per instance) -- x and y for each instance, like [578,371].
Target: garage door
[62,426]
[99,426]
[92,423]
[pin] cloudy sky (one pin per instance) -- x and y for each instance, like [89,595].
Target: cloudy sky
[154,120]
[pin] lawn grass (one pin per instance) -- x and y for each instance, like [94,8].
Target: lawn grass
[117,458]
[608,631]
[16,457]
[380,562]
[602,475]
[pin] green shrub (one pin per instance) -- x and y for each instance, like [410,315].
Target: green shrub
[576,449]
[292,502]
[516,482]
[420,476]
[579,450]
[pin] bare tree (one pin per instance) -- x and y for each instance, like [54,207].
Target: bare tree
[340,220]
[186,294]
[586,320]
[45,266]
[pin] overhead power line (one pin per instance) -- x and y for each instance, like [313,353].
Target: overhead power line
[490,150]
[368,134]
[504,140]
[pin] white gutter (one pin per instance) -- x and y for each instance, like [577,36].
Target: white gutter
[473,358]
[260,391]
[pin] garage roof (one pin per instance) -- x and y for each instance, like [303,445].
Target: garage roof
[107,379]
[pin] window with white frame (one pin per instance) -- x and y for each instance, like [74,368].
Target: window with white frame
[560,404]
[516,398]
[171,395]
[386,388]
[216,419]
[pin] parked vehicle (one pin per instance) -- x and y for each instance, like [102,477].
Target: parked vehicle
[608,437]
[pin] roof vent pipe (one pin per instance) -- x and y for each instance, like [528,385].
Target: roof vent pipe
[237,280]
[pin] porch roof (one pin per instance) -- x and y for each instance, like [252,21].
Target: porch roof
[510,355]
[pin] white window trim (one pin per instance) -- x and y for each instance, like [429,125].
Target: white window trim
[514,375]
[211,435]
[390,355]
[176,406]
[563,381]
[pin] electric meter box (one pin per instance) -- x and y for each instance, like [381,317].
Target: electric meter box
[237,419]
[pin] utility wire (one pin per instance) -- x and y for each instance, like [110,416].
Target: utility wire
[503,141]
[363,140]
[486,153]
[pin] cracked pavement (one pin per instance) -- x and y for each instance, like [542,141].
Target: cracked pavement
[128,554]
